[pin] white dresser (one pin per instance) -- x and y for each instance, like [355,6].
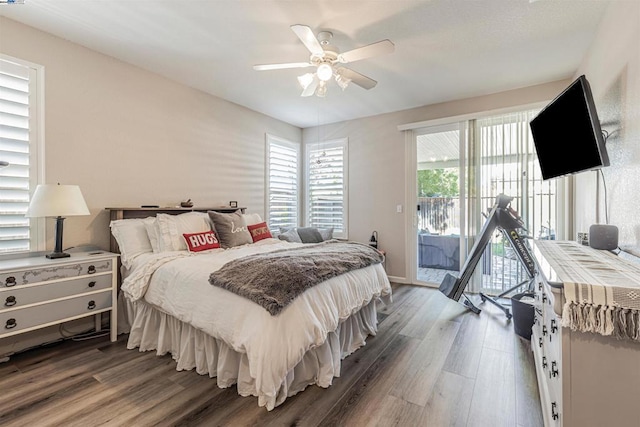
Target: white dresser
[36,292]
[586,375]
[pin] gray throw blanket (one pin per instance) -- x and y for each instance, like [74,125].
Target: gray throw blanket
[274,279]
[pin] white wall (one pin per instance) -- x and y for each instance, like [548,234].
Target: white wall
[129,137]
[612,67]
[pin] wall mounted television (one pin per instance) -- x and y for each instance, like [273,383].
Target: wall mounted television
[567,133]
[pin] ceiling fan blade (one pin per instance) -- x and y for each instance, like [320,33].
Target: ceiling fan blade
[357,78]
[309,39]
[263,67]
[374,49]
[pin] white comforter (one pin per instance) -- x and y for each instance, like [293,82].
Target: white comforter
[178,284]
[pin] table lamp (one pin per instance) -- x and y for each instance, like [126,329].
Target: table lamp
[58,201]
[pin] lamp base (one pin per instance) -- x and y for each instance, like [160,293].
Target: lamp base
[57,250]
[56,255]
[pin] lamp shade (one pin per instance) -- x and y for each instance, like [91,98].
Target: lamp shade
[57,201]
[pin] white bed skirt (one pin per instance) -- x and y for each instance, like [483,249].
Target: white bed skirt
[150,329]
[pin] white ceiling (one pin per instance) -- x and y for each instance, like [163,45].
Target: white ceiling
[444,49]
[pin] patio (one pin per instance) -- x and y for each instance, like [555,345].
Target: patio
[506,273]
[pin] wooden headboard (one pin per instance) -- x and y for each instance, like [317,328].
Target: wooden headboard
[128,213]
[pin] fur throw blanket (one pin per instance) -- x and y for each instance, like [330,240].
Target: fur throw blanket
[274,279]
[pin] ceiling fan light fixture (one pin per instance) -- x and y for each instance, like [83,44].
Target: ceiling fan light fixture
[322,89]
[305,80]
[342,81]
[324,72]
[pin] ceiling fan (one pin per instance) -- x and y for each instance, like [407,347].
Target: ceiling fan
[327,59]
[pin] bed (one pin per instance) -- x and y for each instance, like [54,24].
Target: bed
[169,305]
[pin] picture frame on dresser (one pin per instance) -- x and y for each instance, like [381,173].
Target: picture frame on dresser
[37,292]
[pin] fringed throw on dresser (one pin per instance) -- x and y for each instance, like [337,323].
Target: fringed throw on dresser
[274,279]
[602,296]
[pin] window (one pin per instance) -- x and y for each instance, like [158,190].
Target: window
[327,173]
[508,165]
[283,177]
[20,101]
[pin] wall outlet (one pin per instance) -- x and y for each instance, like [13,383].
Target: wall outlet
[398,208]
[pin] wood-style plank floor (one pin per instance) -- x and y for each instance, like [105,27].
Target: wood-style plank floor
[432,363]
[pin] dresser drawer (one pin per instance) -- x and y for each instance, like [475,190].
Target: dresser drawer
[553,405]
[53,272]
[14,298]
[14,321]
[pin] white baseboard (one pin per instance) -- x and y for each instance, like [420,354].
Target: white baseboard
[396,279]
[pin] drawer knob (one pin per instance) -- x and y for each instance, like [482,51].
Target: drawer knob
[10,281]
[10,301]
[91,269]
[11,323]
[91,305]
[92,284]
[554,411]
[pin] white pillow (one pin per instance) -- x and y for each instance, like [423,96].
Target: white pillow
[252,219]
[172,227]
[151,225]
[132,239]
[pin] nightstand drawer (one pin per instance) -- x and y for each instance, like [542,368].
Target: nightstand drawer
[14,321]
[13,298]
[53,272]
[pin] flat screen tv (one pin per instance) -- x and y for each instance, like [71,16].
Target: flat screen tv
[567,133]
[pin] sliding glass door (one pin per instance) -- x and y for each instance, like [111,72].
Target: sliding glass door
[439,219]
[507,165]
[460,169]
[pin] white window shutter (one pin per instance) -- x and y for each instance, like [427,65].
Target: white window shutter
[283,178]
[14,148]
[327,186]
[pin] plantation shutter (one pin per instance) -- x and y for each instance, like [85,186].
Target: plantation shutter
[14,148]
[327,187]
[283,183]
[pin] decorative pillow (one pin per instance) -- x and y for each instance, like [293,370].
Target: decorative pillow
[259,231]
[309,235]
[289,235]
[198,242]
[132,239]
[326,233]
[172,227]
[231,229]
[252,219]
[151,225]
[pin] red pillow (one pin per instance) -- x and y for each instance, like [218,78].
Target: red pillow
[197,242]
[259,231]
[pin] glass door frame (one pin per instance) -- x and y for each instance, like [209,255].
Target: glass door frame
[412,170]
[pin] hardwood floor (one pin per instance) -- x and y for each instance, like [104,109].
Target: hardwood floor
[432,363]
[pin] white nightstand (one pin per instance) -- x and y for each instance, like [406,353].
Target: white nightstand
[36,292]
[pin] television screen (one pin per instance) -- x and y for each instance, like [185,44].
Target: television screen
[567,133]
